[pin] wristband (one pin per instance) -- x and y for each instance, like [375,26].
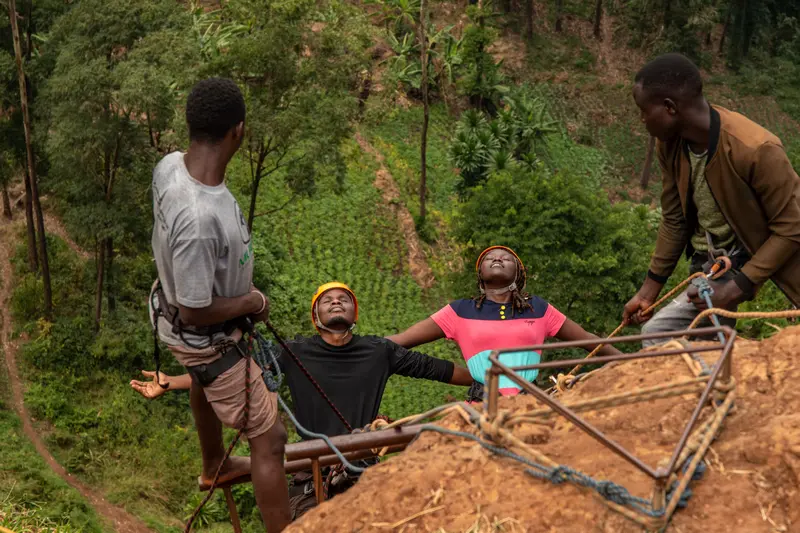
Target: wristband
[263,302]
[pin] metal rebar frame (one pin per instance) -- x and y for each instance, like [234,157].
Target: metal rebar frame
[315,454]
[721,371]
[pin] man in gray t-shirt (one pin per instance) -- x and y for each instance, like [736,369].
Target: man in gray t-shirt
[204,258]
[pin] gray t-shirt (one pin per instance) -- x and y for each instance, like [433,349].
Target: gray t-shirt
[200,243]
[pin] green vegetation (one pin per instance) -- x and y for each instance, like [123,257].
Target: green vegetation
[537,146]
[32,497]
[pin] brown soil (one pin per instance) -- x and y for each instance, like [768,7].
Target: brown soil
[120,519]
[752,484]
[54,226]
[384,182]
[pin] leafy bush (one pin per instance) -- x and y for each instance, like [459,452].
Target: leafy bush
[517,137]
[583,254]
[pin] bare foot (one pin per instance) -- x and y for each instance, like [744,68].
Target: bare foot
[233,467]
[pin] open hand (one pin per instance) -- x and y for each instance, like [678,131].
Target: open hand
[151,389]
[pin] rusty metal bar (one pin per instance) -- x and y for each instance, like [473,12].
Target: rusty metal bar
[301,465]
[313,449]
[318,488]
[234,514]
[621,357]
[572,417]
[659,475]
[614,340]
[731,335]
[492,391]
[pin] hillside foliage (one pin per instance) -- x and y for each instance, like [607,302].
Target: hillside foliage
[534,143]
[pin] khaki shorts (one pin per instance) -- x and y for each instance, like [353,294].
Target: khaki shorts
[227,397]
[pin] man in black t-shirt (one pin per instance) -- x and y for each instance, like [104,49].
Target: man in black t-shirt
[351,369]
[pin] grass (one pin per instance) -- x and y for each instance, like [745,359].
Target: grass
[33,499]
[144,454]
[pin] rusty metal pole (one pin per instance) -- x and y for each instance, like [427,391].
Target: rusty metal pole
[493,384]
[660,489]
[237,526]
[317,471]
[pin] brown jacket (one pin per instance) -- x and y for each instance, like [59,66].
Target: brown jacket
[757,191]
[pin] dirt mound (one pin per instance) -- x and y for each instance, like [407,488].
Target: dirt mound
[752,483]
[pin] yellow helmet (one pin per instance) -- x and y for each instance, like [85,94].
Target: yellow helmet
[322,289]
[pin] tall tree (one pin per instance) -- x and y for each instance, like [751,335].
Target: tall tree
[5,177]
[559,15]
[300,112]
[423,147]
[598,15]
[648,163]
[529,16]
[667,13]
[26,121]
[11,130]
[111,94]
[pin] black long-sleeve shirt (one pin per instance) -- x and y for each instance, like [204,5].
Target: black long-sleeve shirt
[353,376]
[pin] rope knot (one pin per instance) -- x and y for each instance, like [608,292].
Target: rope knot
[564,382]
[559,475]
[613,492]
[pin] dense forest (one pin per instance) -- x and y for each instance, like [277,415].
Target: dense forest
[388,142]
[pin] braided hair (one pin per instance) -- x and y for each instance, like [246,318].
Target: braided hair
[519,297]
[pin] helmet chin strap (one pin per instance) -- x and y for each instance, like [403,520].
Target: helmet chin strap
[320,325]
[496,292]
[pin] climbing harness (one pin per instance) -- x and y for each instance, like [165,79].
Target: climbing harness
[203,374]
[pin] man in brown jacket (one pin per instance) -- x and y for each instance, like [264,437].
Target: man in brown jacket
[728,187]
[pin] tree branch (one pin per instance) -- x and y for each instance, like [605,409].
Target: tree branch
[287,202]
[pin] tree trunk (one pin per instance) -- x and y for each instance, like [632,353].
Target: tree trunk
[725,30]
[648,162]
[559,15]
[33,255]
[667,9]
[598,16]
[423,42]
[253,197]
[529,14]
[98,302]
[6,203]
[26,121]
[110,295]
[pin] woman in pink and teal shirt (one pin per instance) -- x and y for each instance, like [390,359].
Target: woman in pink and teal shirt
[502,316]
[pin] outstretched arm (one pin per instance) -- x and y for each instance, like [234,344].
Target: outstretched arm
[418,365]
[151,389]
[422,332]
[571,331]
[461,376]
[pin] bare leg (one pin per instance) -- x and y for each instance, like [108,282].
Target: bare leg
[209,429]
[269,477]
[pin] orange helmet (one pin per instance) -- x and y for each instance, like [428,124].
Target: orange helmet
[489,249]
[522,275]
[322,289]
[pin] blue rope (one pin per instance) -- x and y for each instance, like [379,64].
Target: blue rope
[559,474]
[264,355]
